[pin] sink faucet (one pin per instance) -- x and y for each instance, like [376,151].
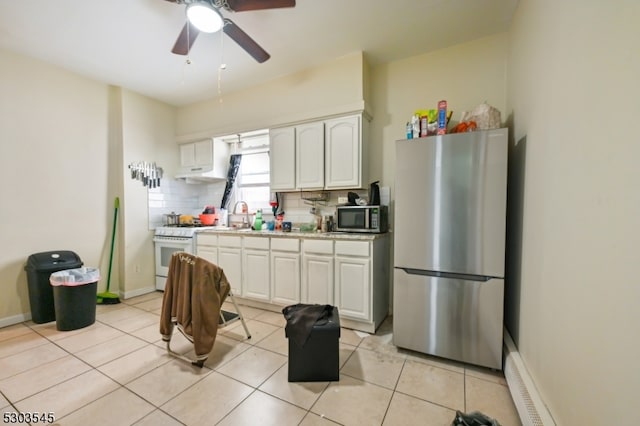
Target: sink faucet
[245,220]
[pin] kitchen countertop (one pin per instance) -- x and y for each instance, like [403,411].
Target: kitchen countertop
[295,234]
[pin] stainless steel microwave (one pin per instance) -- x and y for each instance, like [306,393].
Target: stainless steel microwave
[373,219]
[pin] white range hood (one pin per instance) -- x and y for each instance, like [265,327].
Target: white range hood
[204,161]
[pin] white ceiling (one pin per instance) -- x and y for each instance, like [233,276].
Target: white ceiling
[128,42]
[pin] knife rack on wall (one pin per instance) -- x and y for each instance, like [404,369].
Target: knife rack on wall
[146,172]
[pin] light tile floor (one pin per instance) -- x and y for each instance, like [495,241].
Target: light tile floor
[117,372]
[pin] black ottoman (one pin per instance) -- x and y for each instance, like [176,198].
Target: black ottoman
[318,359]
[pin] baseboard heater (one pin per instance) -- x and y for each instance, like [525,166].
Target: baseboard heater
[531,408]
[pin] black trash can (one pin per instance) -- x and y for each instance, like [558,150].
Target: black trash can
[39,267]
[74,296]
[314,333]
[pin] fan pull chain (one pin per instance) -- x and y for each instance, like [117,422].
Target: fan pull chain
[222,66]
[188,60]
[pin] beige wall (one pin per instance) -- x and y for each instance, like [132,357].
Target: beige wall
[573,95]
[63,143]
[465,75]
[148,135]
[333,88]
[53,170]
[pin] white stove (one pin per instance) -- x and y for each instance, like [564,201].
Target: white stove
[169,240]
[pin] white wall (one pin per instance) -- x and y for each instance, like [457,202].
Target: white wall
[573,302]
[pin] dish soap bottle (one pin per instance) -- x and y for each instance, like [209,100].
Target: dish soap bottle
[257,224]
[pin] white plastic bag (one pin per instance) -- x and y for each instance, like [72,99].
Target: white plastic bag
[485,116]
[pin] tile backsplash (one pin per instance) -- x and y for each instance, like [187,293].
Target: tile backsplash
[182,198]
[179,197]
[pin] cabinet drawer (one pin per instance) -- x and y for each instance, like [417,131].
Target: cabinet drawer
[229,241]
[206,239]
[352,248]
[285,244]
[256,243]
[318,246]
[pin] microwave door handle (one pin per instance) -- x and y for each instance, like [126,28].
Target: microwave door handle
[367,218]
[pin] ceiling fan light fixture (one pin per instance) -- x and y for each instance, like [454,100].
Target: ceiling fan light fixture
[204,17]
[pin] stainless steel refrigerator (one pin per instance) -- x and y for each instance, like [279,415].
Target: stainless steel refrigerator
[449,245]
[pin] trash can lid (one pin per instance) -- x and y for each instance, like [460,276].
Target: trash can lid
[74,277]
[53,261]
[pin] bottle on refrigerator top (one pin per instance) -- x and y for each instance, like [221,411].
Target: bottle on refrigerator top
[442,117]
[415,125]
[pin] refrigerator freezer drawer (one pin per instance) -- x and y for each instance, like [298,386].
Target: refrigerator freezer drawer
[451,318]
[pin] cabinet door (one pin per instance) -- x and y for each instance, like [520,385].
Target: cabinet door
[208,253]
[203,152]
[256,274]
[343,155]
[230,260]
[353,287]
[282,158]
[196,153]
[317,279]
[285,278]
[187,155]
[310,156]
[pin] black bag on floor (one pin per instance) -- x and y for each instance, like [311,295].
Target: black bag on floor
[474,418]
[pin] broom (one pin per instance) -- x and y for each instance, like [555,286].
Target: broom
[108,298]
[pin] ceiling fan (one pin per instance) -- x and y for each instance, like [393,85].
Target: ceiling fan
[205,16]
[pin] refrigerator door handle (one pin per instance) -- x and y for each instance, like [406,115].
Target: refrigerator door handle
[452,275]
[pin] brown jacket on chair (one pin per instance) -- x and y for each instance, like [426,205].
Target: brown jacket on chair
[193,297]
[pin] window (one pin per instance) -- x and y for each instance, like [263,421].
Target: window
[253,176]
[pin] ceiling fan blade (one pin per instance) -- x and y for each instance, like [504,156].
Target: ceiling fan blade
[245,5]
[246,42]
[185,39]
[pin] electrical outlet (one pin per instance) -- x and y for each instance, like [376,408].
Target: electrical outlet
[343,200]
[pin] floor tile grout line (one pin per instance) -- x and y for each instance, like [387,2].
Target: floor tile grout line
[238,404]
[50,362]
[465,369]
[425,400]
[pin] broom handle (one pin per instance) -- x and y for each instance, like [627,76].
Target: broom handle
[113,238]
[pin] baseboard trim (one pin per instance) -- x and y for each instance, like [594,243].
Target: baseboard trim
[16,319]
[137,292]
[530,406]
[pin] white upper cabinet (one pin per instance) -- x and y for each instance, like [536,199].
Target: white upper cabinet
[205,160]
[343,153]
[196,154]
[310,156]
[327,154]
[282,158]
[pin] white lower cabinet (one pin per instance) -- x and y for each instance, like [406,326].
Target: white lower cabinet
[362,281]
[317,272]
[207,247]
[352,275]
[285,271]
[230,260]
[353,287]
[255,263]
